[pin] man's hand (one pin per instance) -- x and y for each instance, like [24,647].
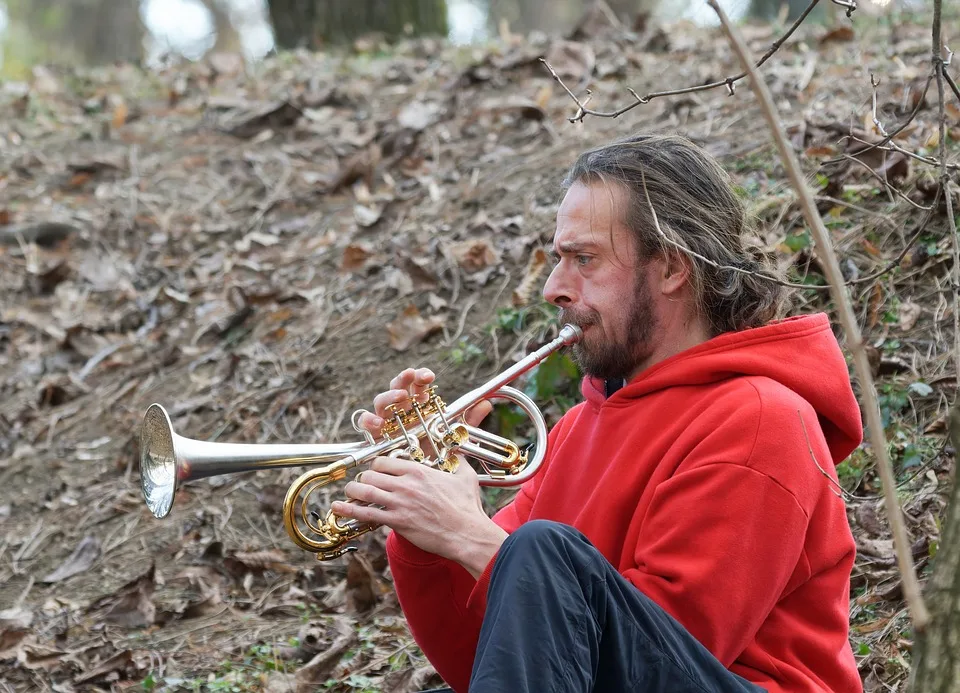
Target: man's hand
[438,511]
[412,383]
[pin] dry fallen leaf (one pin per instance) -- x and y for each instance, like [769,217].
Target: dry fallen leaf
[909,314]
[118,662]
[869,519]
[367,216]
[208,605]
[475,255]
[14,627]
[572,61]
[412,680]
[411,328]
[120,113]
[32,655]
[274,117]
[316,672]
[362,164]
[84,556]
[535,267]
[362,588]
[842,33]
[133,606]
[878,549]
[257,562]
[355,256]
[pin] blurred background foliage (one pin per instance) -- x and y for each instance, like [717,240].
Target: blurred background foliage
[94,32]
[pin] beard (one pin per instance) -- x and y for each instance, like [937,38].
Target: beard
[604,356]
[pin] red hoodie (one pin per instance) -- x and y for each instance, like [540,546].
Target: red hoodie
[699,481]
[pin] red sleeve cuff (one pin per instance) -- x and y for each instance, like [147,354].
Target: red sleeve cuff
[406,551]
[477,601]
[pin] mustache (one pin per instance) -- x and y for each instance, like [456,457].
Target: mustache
[579,318]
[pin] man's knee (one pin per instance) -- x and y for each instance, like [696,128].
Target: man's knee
[545,538]
[544,532]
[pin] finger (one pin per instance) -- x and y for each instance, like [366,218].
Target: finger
[370,422]
[366,493]
[385,399]
[403,379]
[423,378]
[475,415]
[396,466]
[362,513]
[414,381]
[385,482]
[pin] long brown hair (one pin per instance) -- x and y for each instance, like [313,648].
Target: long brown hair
[697,209]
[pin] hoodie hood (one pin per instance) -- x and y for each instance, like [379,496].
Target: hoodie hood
[801,353]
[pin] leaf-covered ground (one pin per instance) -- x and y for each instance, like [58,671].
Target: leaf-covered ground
[261,250]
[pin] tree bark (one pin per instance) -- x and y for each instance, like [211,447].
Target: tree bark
[90,31]
[936,664]
[770,9]
[314,23]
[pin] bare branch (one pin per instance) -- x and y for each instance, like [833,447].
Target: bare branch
[900,128]
[886,183]
[939,69]
[583,111]
[892,147]
[953,85]
[911,587]
[838,490]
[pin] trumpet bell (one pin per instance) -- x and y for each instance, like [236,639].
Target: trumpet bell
[158,461]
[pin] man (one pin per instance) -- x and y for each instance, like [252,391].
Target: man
[683,534]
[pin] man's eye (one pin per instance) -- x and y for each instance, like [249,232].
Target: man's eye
[582,259]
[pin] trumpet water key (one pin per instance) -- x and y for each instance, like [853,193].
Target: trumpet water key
[430,432]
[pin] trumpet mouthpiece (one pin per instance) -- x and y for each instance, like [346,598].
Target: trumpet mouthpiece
[158,461]
[570,334]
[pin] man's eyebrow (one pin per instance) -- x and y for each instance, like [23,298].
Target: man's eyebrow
[572,248]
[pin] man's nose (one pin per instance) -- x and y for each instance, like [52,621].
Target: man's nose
[558,289]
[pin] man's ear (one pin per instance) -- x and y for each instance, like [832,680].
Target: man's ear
[675,272]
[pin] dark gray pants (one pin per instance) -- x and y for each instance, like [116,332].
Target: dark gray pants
[560,619]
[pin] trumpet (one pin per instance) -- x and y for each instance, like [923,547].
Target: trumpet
[430,432]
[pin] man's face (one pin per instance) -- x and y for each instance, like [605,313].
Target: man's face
[599,284]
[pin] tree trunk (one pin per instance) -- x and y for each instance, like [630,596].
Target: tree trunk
[936,665]
[315,23]
[292,22]
[106,31]
[770,9]
[86,31]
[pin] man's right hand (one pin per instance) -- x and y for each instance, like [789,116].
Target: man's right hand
[411,382]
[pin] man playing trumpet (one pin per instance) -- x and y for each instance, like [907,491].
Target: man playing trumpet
[683,533]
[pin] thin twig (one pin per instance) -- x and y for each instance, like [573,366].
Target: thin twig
[900,128]
[583,111]
[953,85]
[886,183]
[841,297]
[893,147]
[840,491]
[938,67]
[692,253]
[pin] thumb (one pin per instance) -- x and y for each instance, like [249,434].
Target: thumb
[477,413]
